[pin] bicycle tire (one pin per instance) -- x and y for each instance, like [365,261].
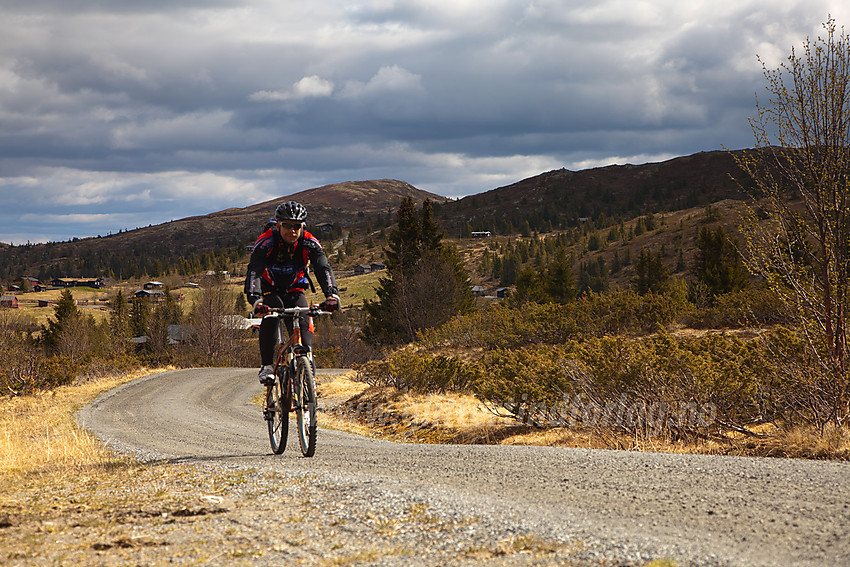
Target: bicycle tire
[305,405]
[278,401]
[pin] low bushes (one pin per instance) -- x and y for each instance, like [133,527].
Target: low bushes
[718,379]
[752,307]
[613,359]
[407,369]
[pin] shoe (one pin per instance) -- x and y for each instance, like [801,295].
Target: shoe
[267,375]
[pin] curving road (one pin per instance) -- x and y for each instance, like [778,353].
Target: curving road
[697,509]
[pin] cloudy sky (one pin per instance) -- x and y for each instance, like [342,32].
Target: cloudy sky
[116,114]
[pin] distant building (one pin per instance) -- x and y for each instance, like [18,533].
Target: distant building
[153,294]
[152,285]
[77,282]
[502,292]
[178,334]
[481,234]
[9,302]
[362,269]
[477,290]
[378,266]
[236,322]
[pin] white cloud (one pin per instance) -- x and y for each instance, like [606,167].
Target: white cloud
[312,86]
[388,79]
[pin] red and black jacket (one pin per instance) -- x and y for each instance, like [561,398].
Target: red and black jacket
[278,267]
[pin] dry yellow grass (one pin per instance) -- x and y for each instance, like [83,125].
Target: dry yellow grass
[340,387]
[90,301]
[391,414]
[39,433]
[439,418]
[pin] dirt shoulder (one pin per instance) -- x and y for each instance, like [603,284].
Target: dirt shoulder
[166,514]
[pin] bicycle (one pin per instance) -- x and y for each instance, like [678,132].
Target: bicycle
[294,386]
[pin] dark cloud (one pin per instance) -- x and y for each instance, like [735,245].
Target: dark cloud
[117,114]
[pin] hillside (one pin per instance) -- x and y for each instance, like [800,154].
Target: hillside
[562,197]
[219,233]
[551,200]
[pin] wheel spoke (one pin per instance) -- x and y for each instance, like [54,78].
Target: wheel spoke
[306,409]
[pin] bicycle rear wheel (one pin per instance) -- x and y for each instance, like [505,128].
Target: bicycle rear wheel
[276,413]
[305,405]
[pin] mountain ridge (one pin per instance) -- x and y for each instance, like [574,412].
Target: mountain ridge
[546,201]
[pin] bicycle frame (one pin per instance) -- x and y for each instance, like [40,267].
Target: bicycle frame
[292,346]
[296,381]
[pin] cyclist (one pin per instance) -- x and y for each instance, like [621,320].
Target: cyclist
[278,275]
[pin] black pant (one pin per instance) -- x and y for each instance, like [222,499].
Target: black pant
[268,328]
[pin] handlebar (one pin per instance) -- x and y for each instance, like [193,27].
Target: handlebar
[279,312]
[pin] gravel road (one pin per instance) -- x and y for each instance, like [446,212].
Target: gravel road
[623,507]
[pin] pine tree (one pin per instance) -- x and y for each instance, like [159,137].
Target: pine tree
[140,313]
[426,282]
[405,241]
[168,312]
[651,273]
[241,305]
[65,312]
[119,318]
[560,284]
[718,264]
[529,287]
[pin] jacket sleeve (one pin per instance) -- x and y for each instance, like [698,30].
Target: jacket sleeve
[256,266]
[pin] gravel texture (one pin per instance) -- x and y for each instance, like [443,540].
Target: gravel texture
[381,503]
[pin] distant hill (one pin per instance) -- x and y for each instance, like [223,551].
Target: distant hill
[547,201]
[341,203]
[229,231]
[562,196]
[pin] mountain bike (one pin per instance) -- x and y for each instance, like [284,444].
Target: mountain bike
[294,387]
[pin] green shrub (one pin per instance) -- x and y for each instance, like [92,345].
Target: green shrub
[510,378]
[717,375]
[57,370]
[751,307]
[596,314]
[406,369]
[500,327]
[627,312]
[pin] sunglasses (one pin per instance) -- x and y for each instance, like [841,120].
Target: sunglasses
[290,225]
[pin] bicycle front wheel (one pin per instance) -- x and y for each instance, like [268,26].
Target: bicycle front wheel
[305,405]
[277,412]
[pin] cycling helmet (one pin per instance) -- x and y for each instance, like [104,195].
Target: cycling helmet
[290,211]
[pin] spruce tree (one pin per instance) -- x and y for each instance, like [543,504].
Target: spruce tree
[119,318]
[65,312]
[718,264]
[140,314]
[651,273]
[426,282]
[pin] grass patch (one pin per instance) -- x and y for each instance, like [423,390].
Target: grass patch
[39,433]
[356,289]
[389,413]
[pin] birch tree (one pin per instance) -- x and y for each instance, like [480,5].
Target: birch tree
[797,231]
